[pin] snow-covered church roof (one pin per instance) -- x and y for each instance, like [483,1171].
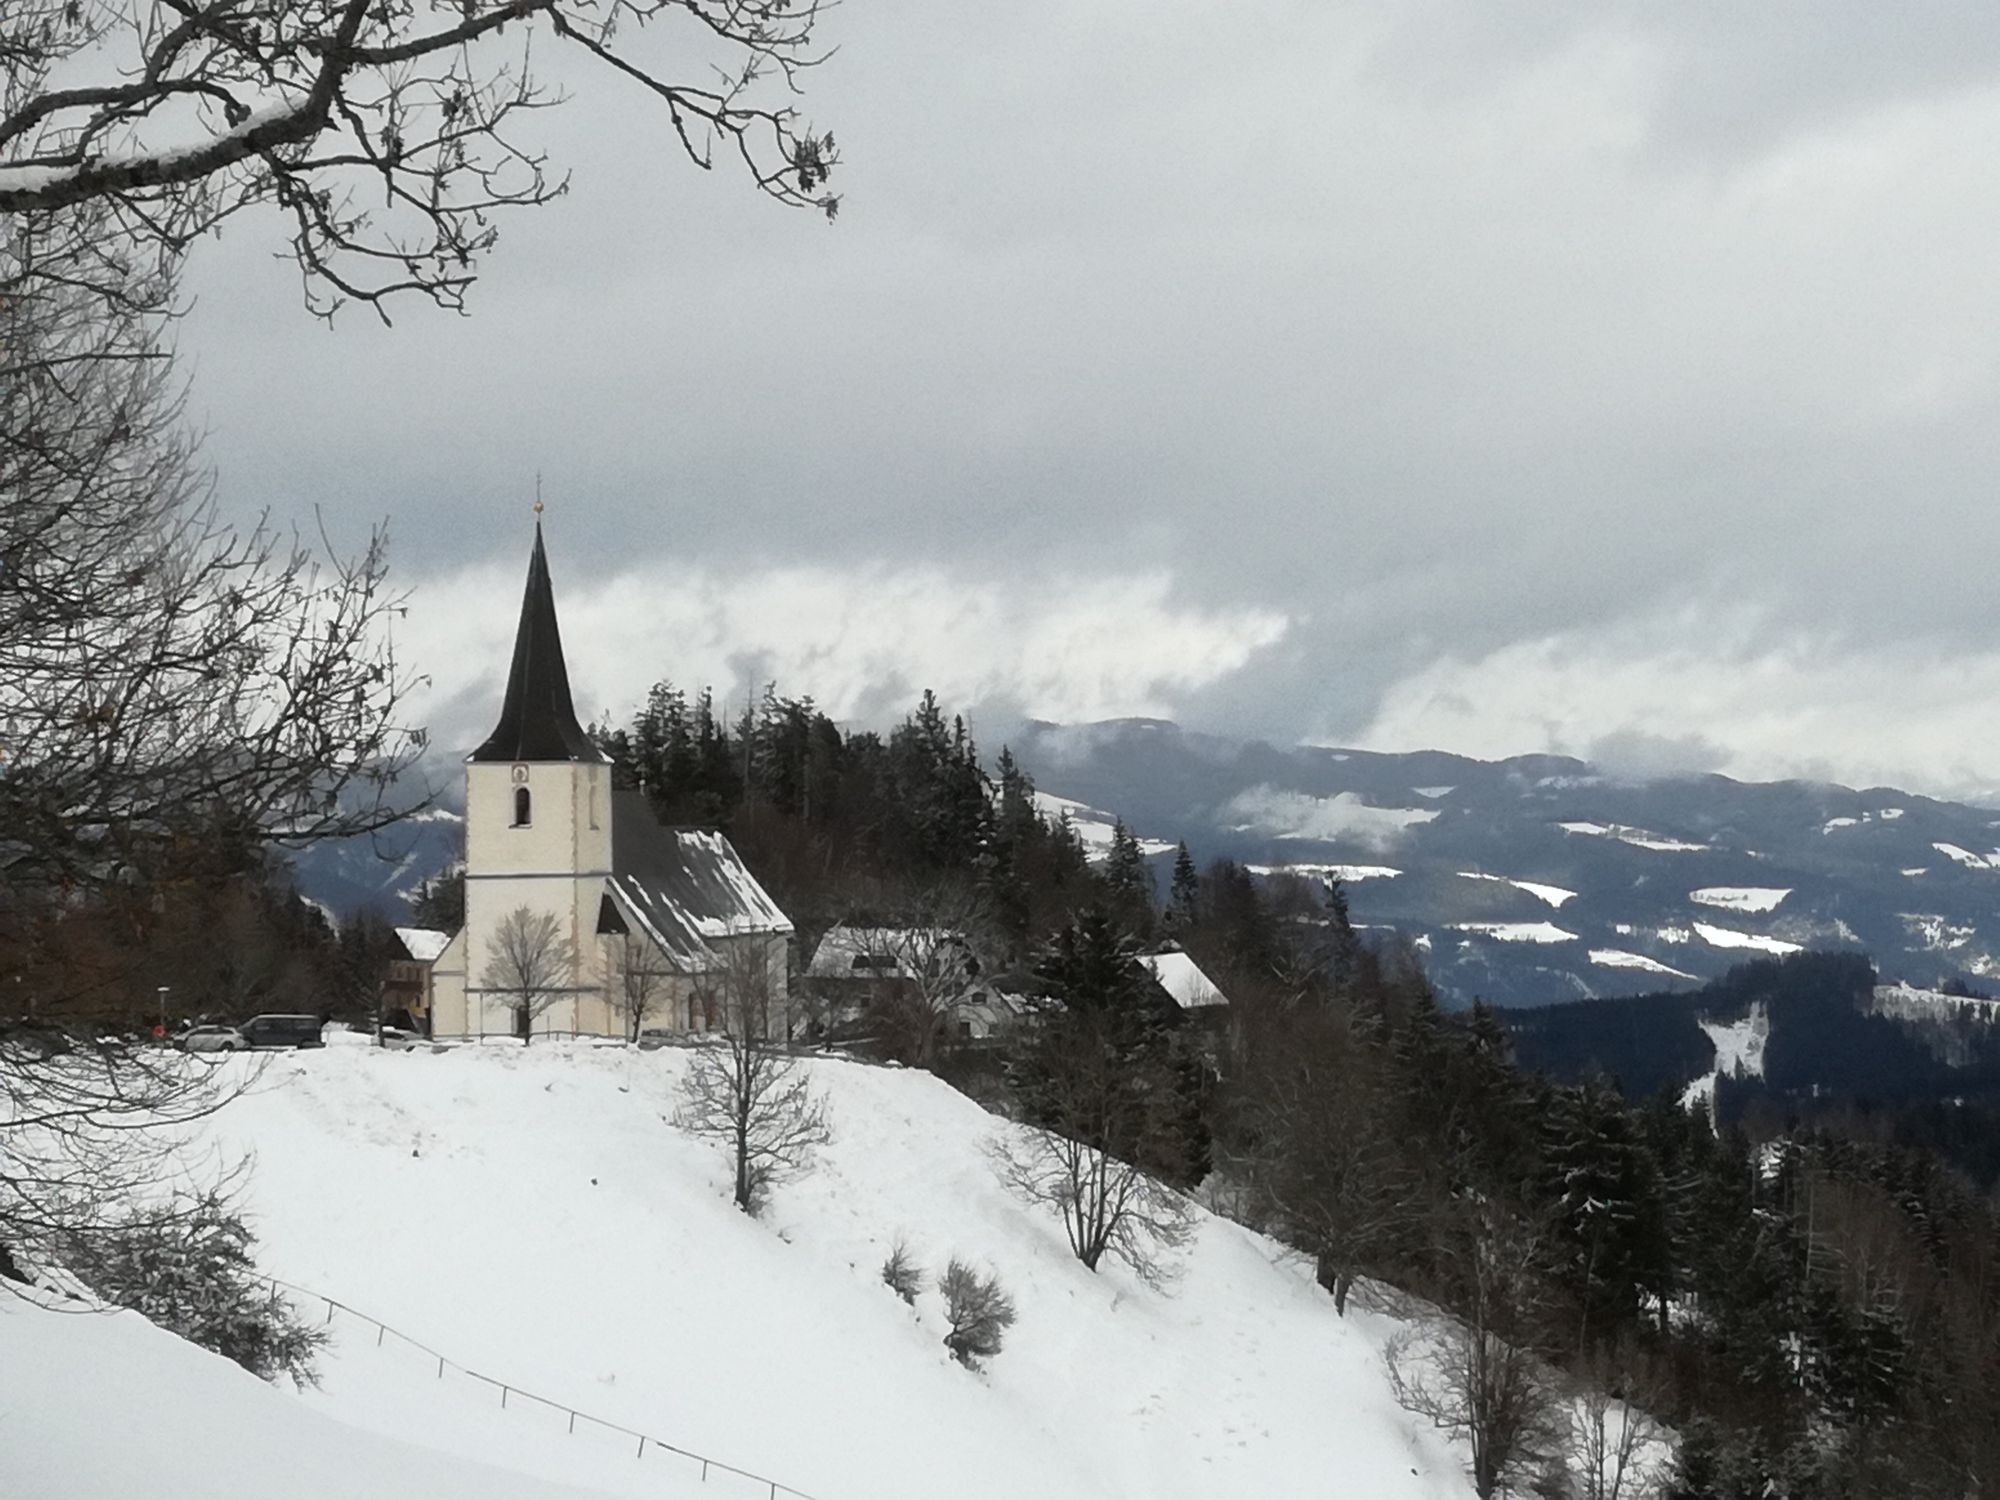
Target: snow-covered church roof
[684,886]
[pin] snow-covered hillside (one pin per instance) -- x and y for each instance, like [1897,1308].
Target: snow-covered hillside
[104,1406]
[534,1216]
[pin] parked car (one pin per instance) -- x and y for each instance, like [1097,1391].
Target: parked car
[281,1031]
[209,1039]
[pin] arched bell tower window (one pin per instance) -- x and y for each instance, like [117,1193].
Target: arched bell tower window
[521,807]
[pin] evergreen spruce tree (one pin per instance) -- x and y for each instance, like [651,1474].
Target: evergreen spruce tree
[1605,1187]
[1183,894]
[1107,1001]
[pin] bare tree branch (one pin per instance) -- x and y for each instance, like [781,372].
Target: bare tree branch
[529,965]
[203,108]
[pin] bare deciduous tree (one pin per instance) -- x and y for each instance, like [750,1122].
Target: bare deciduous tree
[742,1088]
[161,673]
[529,965]
[1477,1375]
[87,1127]
[1328,1173]
[639,980]
[386,132]
[171,688]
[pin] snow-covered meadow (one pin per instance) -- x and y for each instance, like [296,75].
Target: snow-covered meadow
[536,1217]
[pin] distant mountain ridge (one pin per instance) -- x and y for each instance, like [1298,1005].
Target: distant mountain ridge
[1539,878]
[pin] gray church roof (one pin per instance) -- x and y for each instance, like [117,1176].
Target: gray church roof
[538,720]
[684,886]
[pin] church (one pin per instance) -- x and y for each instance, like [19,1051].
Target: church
[647,917]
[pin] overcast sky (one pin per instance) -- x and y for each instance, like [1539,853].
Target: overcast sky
[1596,378]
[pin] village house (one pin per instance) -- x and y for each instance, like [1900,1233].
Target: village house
[406,982]
[1182,978]
[856,966]
[651,919]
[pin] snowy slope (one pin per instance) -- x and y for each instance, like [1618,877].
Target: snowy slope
[1739,1053]
[104,1406]
[535,1217]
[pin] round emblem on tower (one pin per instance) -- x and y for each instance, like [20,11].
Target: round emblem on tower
[520,774]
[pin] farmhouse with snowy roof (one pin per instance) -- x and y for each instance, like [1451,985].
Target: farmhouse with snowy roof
[546,833]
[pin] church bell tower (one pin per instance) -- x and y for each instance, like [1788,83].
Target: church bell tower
[537,825]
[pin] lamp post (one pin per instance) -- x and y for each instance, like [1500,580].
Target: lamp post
[163,1009]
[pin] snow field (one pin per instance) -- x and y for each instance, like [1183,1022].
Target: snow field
[1618,958]
[1723,937]
[1638,838]
[535,1216]
[1969,859]
[104,1406]
[1554,895]
[1093,825]
[1909,1002]
[1517,932]
[1347,874]
[1746,898]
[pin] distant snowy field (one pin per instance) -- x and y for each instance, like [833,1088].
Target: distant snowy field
[535,1217]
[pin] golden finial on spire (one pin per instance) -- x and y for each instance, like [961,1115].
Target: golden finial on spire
[538,492]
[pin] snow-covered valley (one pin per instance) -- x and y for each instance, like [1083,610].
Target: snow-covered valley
[535,1217]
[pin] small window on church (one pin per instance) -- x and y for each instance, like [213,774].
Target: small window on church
[520,807]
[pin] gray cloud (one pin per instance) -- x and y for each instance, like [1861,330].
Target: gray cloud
[1432,331]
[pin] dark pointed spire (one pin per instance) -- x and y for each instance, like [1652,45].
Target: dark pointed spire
[538,720]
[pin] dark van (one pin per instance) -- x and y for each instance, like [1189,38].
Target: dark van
[281,1031]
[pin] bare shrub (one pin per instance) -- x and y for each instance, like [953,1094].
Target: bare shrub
[980,1313]
[1611,1449]
[1107,1206]
[1476,1375]
[901,1273]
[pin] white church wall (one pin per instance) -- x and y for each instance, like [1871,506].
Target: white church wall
[555,863]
